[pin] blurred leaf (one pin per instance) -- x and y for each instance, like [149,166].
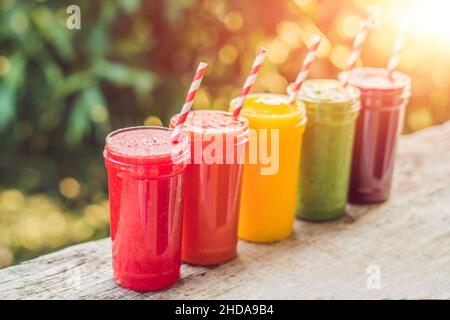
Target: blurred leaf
[121,75]
[53,31]
[19,22]
[73,83]
[144,82]
[7,106]
[16,75]
[78,123]
[8,88]
[107,15]
[116,73]
[98,42]
[175,7]
[92,98]
[52,71]
[129,6]
[80,115]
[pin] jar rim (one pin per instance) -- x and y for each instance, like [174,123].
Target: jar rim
[193,129]
[403,89]
[178,154]
[305,98]
[301,110]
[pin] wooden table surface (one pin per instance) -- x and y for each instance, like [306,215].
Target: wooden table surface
[405,241]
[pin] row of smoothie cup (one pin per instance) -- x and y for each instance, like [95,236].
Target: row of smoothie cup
[335,143]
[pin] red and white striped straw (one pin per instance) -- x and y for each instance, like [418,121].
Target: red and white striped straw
[189,101]
[398,45]
[304,71]
[250,80]
[366,25]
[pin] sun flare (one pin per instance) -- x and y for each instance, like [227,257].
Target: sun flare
[430,17]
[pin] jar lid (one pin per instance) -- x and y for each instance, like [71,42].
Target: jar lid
[377,81]
[271,110]
[328,95]
[146,145]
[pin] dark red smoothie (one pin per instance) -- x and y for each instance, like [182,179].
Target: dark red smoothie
[213,186]
[146,182]
[383,101]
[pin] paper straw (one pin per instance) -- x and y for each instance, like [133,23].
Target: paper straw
[398,45]
[366,25]
[250,80]
[189,100]
[304,71]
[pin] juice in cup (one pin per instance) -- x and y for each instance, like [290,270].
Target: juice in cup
[383,101]
[145,178]
[267,209]
[213,186]
[327,148]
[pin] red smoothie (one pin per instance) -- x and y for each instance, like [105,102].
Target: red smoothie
[213,181]
[146,183]
[383,101]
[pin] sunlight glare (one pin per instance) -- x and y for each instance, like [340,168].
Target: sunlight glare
[430,17]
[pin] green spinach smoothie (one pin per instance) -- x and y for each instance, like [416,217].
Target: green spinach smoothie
[327,148]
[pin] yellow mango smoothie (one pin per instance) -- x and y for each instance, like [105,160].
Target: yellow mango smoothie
[271,169]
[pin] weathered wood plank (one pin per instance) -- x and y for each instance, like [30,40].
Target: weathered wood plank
[408,238]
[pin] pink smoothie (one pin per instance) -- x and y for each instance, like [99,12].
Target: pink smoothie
[145,179]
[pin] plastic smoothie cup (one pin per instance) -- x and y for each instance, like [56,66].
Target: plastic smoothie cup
[267,211]
[145,178]
[383,102]
[327,148]
[213,186]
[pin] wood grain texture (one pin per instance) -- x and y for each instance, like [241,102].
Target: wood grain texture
[408,238]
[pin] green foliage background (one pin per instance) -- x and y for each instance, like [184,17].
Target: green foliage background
[62,91]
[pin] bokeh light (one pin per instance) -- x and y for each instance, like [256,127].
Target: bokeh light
[4,65]
[228,54]
[69,187]
[349,26]
[233,21]
[153,121]
[429,17]
[277,51]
